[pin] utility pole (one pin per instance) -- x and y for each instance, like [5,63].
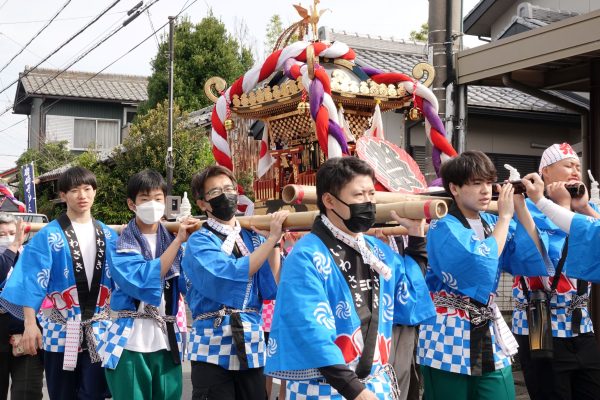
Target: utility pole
[437,57]
[457,125]
[444,38]
[170,161]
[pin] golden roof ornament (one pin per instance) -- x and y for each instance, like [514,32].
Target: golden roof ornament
[311,18]
[284,106]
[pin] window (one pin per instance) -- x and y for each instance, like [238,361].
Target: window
[129,114]
[104,134]
[84,133]
[80,133]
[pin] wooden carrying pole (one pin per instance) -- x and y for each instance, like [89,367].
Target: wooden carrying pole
[396,230]
[430,209]
[302,194]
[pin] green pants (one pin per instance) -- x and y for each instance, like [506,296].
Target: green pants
[443,385]
[145,376]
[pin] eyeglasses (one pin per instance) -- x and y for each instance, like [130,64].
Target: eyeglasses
[229,189]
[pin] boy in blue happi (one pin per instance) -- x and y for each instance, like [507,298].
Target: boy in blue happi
[141,350]
[68,262]
[575,364]
[339,294]
[228,277]
[465,351]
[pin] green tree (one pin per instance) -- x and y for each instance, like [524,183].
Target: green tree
[274,30]
[421,35]
[48,157]
[202,51]
[146,147]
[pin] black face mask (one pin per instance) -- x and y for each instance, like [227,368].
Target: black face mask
[362,216]
[224,206]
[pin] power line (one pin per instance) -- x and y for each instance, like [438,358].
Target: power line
[110,64]
[184,8]
[152,27]
[21,45]
[120,57]
[35,36]
[10,140]
[134,13]
[37,21]
[5,94]
[89,42]
[3,4]
[62,45]
[15,124]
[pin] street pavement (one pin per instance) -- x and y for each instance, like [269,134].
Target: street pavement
[521,391]
[187,385]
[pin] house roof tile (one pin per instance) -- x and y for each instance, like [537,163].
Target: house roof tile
[45,82]
[401,56]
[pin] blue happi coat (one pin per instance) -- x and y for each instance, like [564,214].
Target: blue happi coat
[583,258]
[215,279]
[136,276]
[464,267]
[560,302]
[45,269]
[316,323]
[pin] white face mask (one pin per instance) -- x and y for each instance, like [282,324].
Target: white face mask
[6,241]
[150,212]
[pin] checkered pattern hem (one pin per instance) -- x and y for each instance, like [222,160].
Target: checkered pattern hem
[112,344]
[55,334]
[446,345]
[318,389]
[561,321]
[114,340]
[215,346]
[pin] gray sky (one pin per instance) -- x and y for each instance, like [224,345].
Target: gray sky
[20,20]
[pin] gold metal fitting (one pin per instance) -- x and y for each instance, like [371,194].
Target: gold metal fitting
[415,114]
[303,107]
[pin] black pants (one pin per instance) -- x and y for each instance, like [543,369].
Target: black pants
[87,382]
[25,374]
[211,382]
[573,373]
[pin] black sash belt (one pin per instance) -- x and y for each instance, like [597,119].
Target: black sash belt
[481,349]
[88,297]
[368,313]
[171,302]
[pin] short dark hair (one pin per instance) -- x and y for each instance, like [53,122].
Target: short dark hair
[200,179]
[335,173]
[75,177]
[145,181]
[467,167]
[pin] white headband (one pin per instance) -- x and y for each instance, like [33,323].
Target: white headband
[555,153]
